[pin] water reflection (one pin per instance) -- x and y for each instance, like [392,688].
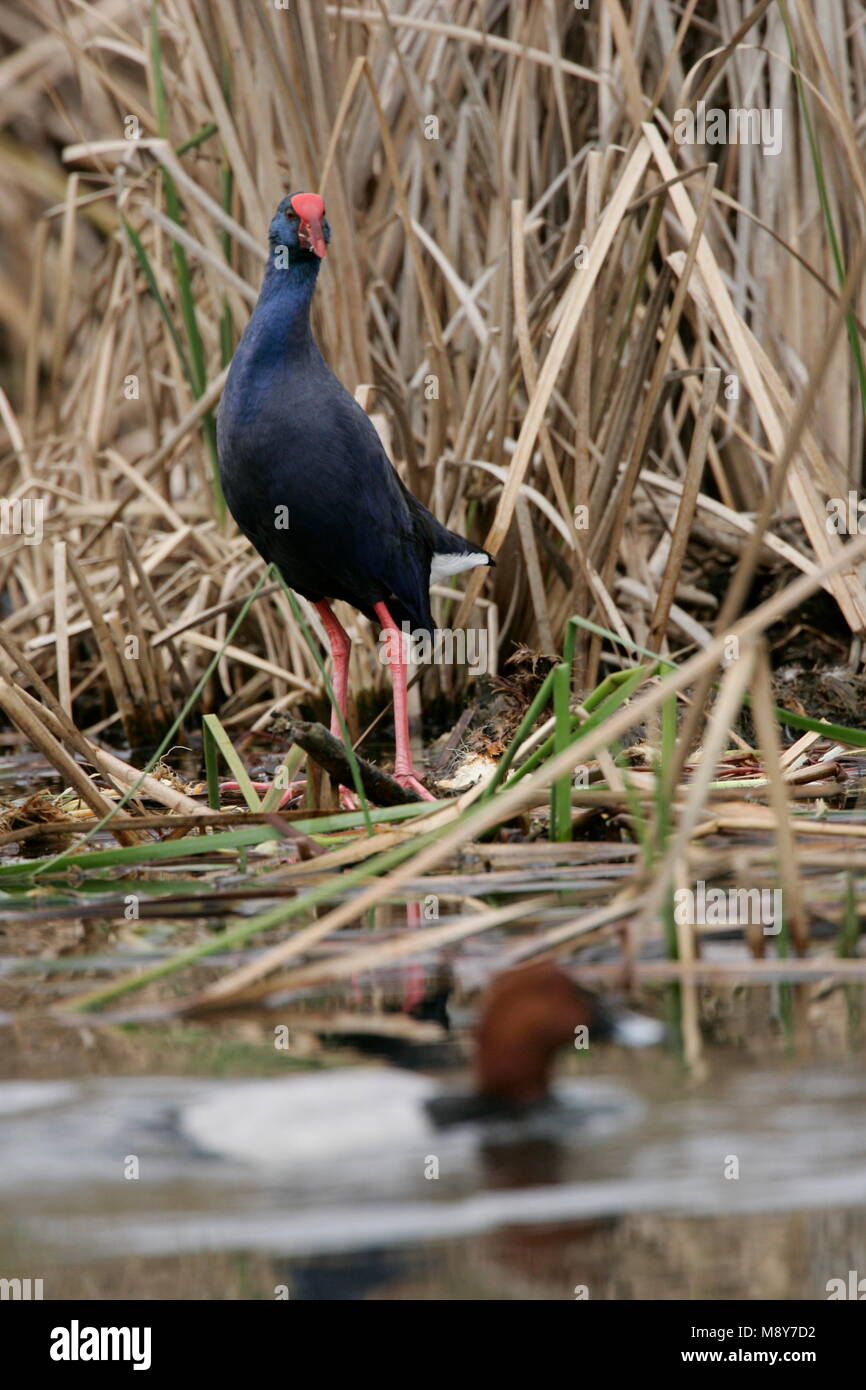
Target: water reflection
[747,1181]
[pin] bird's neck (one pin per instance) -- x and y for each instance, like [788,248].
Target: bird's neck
[517,1068]
[281,319]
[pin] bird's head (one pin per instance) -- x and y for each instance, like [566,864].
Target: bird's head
[529,1013]
[300,225]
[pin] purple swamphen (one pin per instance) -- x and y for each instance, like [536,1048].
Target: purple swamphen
[307,479]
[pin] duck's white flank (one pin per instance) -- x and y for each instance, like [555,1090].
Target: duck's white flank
[323,1115]
[443,566]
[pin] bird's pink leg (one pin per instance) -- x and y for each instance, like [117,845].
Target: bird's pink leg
[293,790]
[404,773]
[340,647]
[413,975]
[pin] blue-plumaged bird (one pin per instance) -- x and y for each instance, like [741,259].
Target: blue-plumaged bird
[307,480]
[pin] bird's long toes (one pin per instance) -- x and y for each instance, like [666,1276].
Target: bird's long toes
[236,786]
[412,782]
[294,789]
[291,792]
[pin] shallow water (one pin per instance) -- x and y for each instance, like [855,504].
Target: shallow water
[742,1175]
[748,1182]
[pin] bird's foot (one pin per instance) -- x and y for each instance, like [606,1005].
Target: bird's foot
[294,789]
[348,800]
[409,779]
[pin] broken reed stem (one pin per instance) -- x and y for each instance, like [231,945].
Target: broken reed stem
[113,767]
[18,707]
[686,509]
[329,753]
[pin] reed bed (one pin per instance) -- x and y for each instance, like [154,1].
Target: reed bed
[631,367]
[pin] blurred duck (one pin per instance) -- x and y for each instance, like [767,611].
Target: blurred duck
[527,1016]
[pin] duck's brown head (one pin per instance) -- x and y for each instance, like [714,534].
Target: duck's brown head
[529,1013]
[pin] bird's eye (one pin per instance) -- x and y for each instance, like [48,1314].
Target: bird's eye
[292,216]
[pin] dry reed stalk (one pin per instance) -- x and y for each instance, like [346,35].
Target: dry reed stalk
[366,958]
[31,719]
[789,872]
[686,510]
[61,627]
[522,795]
[452,259]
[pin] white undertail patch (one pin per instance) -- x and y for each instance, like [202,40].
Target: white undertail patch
[443,566]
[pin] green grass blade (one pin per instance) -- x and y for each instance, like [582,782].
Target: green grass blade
[838,733]
[667,750]
[283,778]
[560,792]
[198,139]
[622,685]
[234,937]
[209,749]
[233,761]
[147,271]
[541,698]
[129,856]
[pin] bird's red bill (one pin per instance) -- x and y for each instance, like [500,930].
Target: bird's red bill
[311,211]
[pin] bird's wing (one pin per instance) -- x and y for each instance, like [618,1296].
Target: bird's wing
[352,530]
[396,546]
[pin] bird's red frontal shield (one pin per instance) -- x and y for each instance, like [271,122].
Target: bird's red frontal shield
[311,210]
